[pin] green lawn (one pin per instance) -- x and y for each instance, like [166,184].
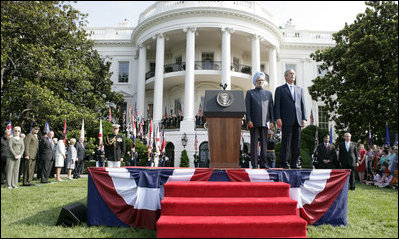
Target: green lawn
[33,211]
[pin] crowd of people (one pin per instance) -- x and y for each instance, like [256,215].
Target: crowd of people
[377,165]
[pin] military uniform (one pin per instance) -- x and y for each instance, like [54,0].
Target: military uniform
[115,147]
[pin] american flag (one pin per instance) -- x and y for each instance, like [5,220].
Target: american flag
[100,134]
[64,132]
[196,142]
[163,140]
[311,118]
[9,127]
[200,110]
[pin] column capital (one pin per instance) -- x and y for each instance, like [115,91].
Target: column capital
[158,35]
[189,28]
[256,36]
[227,29]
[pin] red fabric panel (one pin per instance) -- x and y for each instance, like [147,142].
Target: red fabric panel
[238,175]
[323,201]
[202,174]
[125,212]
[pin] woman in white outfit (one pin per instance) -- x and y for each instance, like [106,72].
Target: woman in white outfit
[59,157]
[72,157]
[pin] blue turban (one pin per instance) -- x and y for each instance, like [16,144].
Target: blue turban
[257,74]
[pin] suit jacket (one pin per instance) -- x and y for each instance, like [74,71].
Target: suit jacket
[259,105]
[329,153]
[115,147]
[31,146]
[348,159]
[288,110]
[45,149]
[80,150]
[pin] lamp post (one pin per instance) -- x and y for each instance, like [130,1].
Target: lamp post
[184,140]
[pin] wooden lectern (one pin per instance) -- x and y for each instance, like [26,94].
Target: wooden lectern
[224,110]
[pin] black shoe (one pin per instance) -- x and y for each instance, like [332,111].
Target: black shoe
[45,182]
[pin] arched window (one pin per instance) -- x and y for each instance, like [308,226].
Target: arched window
[204,155]
[170,152]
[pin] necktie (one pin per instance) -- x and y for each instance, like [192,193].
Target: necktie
[326,146]
[292,92]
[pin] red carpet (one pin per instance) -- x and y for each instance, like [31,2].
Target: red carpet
[229,209]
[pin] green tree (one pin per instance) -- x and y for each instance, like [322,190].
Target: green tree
[360,86]
[184,161]
[49,68]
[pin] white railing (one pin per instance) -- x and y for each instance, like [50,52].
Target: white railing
[308,35]
[164,6]
[110,32]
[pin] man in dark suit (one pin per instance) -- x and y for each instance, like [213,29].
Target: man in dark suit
[259,106]
[326,155]
[348,158]
[290,114]
[80,151]
[46,156]
[115,147]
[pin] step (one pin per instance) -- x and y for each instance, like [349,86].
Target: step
[226,189]
[231,226]
[237,206]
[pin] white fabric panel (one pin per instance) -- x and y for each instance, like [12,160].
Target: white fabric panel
[256,175]
[313,186]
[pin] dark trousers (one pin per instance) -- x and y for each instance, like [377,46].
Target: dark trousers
[3,169]
[352,178]
[290,145]
[258,132]
[78,168]
[46,169]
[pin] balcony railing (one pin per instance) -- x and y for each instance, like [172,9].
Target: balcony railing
[201,65]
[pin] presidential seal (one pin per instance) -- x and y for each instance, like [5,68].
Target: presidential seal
[224,98]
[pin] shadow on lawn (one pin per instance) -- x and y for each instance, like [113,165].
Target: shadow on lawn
[48,217]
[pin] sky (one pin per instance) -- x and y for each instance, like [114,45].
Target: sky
[309,15]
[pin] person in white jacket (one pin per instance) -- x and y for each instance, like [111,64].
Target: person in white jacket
[59,157]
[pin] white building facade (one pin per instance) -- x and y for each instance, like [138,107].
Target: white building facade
[180,49]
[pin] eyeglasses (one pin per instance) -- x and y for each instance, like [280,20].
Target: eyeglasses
[17,130]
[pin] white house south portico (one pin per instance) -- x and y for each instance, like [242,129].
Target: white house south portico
[179,49]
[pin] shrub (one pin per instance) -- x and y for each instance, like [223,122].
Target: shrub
[184,161]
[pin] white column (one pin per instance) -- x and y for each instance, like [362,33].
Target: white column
[189,118]
[158,84]
[272,69]
[226,57]
[255,54]
[141,80]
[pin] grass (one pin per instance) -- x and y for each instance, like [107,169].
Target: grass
[32,212]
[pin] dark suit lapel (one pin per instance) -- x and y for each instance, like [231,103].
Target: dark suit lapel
[286,89]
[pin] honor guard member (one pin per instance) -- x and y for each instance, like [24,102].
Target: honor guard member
[115,147]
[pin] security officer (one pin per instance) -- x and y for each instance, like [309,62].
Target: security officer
[115,147]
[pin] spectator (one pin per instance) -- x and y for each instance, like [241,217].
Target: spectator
[361,168]
[325,153]
[5,153]
[16,147]
[21,162]
[60,155]
[53,148]
[391,156]
[45,155]
[81,152]
[385,180]
[376,158]
[383,161]
[134,157]
[100,156]
[375,178]
[72,157]
[31,148]
[55,141]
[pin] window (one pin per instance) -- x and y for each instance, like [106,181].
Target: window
[293,67]
[123,76]
[207,60]
[179,60]
[323,117]
[236,64]
[178,109]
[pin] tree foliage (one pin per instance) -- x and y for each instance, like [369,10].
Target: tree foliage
[184,160]
[49,68]
[360,86]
